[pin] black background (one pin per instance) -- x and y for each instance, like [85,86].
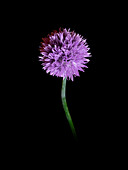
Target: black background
[38,121]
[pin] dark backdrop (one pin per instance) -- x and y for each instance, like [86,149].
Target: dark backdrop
[35,125]
[38,113]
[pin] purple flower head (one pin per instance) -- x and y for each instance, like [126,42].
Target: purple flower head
[64,54]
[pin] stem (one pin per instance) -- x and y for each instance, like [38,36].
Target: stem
[63,97]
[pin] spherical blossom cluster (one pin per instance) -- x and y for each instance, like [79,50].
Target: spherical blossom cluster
[64,54]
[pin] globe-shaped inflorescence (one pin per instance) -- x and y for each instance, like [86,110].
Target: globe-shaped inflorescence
[64,54]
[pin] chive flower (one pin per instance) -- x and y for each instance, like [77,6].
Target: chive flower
[64,54]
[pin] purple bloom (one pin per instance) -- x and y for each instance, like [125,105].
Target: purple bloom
[64,54]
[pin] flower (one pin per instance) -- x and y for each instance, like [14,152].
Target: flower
[64,54]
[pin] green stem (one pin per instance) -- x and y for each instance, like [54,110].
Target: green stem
[63,97]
